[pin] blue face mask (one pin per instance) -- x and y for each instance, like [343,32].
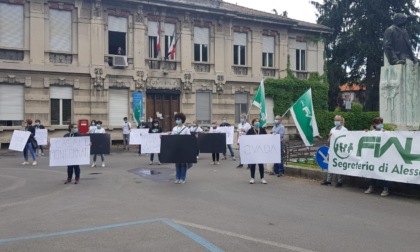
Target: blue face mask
[75,130]
[178,122]
[337,123]
[380,126]
[257,124]
[276,122]
[98,126]
[243,121]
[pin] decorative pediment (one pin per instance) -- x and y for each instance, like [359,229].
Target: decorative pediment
[161,83]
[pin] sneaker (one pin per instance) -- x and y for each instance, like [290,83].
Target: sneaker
[76,181]
[339,184]
[67,181]
[159,163]
[213,163]
[182,181]
[224,158]
[93,165]
[150,163]
[369,190]
[239,166]
[25,163]
[252,181]
[233,158]
[326,183]
[272,174]
[217,163]
[385,192]
[176,181]
[42,154]
[34,163]
[103,164]
[197,157]
[263,181]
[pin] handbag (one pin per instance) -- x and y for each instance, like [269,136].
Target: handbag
[34,143]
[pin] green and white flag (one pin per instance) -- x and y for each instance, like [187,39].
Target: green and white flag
[304,116]
[259,101]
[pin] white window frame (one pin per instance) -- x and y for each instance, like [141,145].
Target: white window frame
[202,39]
[240,99]
[152,34]
[61,94]
[201,102]
[12,105]
[239,43]
[301,56]
[268,47]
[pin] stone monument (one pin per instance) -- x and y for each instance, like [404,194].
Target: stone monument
[400,80]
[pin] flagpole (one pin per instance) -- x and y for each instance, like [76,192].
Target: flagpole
[285,112]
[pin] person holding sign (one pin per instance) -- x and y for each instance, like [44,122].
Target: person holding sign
[153,130]
[92,127]
[142,125]
[38,125]
[30,143]
[278,169]
[256,130]
[232,154]
[243,128]
[126,128]
[180,129]
[195,128]
[73,132]
[215,156]
[99,130]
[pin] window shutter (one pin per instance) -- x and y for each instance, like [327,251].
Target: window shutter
[203,106]
[11,25]
[117,24]
[201,36]
[169,29]
[61,92]
[118,106]
[152,29]
[239,39]
[11,102]
[60,30]
[268,44]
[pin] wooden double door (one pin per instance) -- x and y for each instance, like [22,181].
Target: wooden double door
[163,105]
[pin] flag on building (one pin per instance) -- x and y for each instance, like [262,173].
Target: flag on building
[259,101]
[172,48]
[158,40]
[304,117]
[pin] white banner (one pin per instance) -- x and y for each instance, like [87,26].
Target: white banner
[41,136]
[260,149]
[230,133]
[135,136]
[150,143]
[389,155]
[19,140]
[69,151]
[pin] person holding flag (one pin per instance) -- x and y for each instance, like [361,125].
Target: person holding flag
[259,102]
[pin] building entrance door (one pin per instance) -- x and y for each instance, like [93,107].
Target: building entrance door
[163,105]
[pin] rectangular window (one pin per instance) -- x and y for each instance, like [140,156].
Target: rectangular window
[239,48]
[11,25]
[118,106]
[241,106]
[117,35]
[153,32]
[201,44]
[169,39]
[300,56]
[60,31]
[203,107]
[61,105]
[268,51]
[11,105]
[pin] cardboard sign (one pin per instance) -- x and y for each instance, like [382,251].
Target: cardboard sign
[178,149]
[101,143]
[150,143]
[212,143]
[135,136]
[41,136]
[260,149]
[19,140]
[230,133]
[69,151]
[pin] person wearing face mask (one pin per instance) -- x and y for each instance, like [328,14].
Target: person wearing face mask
[256,130]
[73,132]
[126,128]
[195,128]
[338,126]
[232,154]
[99,130]
[278,128]
[215,156]
[92,127]
[29,146]
[378,125]
[180,129]
[38,125]
[243,128]
[142,125]
[153,130]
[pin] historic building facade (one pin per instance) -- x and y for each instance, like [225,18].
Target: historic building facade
[61,61]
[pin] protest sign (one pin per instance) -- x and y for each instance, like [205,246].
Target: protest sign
[19,140]
[230,133]
[135,136]
[101,143]
[389,155]
[178,149]
[41,136]
[212,143]
[150,143]
[260,149]
[69,151]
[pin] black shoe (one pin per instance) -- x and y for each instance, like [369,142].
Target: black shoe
[67,181]
[339,185]
[280,175]
[224,158]
[239,166]
[326,183]
[272,174]
[76,181]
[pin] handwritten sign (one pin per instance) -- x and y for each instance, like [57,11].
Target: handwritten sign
[135,136]
[69,151]
[41,136]
[19,140]
[260,149]
[230,133]
[150,143]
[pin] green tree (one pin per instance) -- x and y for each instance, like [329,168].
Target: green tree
[354,50]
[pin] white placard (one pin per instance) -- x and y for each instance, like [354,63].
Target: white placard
[260,149]
[150,143]
[69,151]
[230,133]
[19,140]
[41,136]
[135,135]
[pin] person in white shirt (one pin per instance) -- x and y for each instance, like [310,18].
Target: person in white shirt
[195,128]
[126,128]
[215,156]
[243,128]
[92,127]
[180,129]
[338,126]
[99,130]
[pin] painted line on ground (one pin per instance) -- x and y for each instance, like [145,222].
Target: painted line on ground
[248,238]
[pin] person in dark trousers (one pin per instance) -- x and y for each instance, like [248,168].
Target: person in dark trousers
[256,130]
[38,125]
[155,128]
[141,125]
[29,144]
[73,132]
[215,156]
[232,154]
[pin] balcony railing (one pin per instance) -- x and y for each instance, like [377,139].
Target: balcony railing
[239,70]
[162,64]
[268,72]
[61,58]
[301,75]
[11,54]
[202,67]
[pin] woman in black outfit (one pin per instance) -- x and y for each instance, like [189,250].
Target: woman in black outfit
[256,130]
[73,132]
[155,128]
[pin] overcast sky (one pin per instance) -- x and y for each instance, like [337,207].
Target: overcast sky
[296,9]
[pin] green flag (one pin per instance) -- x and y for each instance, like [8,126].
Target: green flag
[304,116]
[259,101]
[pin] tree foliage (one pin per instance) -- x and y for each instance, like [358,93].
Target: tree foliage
[354,50]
